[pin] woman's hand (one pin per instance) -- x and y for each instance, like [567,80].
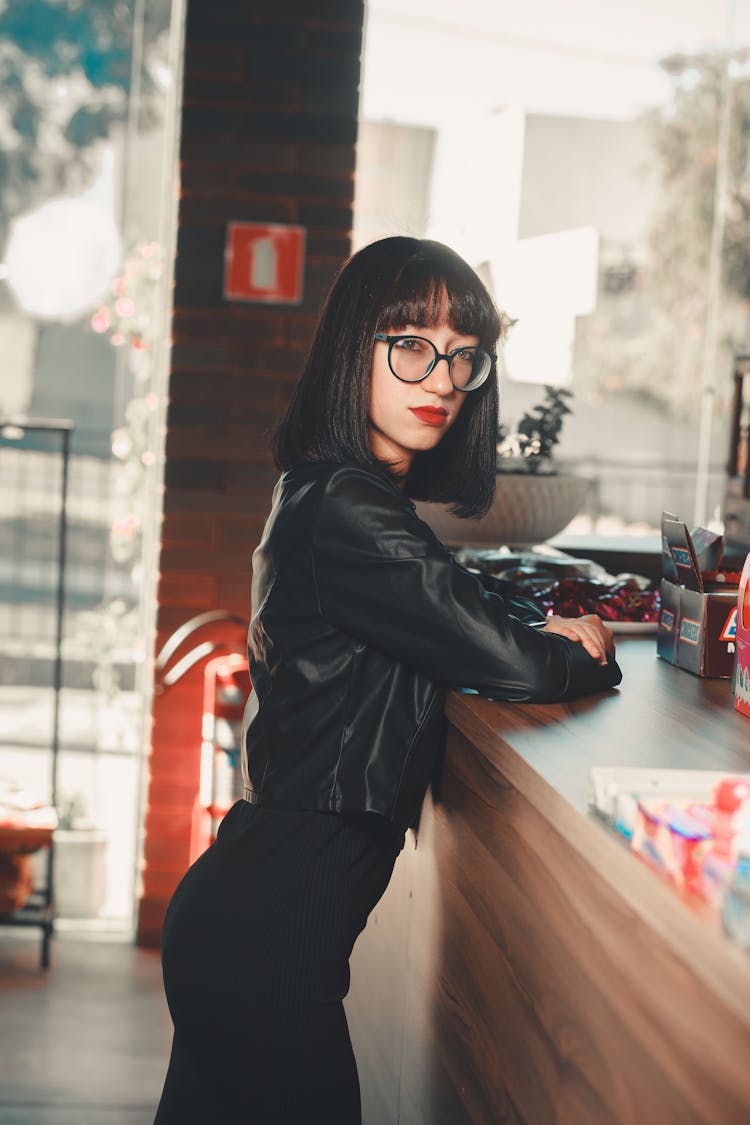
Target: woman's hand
[588,630]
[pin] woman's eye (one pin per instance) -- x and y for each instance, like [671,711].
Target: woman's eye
[465,355]
[411,344]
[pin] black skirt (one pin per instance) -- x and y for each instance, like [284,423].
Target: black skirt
[256,947]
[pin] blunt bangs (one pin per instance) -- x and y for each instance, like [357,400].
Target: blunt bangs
[436,285]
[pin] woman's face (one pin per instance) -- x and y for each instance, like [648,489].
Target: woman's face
[410,418]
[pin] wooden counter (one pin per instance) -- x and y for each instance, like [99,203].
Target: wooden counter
[523,966]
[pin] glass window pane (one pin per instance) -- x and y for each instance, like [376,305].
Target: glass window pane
[86,222]
[607,208]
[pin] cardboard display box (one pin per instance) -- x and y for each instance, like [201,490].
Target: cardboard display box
[698,614]
[741,685]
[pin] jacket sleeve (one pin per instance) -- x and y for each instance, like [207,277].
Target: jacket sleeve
[383,577]
[523,608]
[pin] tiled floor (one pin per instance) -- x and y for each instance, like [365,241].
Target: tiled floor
[87,1042]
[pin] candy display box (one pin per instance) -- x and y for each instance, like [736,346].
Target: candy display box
[742,665]
[698,616]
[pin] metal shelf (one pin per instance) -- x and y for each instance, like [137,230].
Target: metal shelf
[38,911]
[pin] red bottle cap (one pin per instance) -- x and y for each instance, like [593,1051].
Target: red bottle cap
[730,792]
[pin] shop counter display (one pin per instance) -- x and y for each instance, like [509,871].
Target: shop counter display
[524,965]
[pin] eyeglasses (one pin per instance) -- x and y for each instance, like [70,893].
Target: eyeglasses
[412,358]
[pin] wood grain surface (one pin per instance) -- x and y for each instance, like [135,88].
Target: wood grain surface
[523,966]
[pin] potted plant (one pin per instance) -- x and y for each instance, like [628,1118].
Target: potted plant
[533,500]
[529,448]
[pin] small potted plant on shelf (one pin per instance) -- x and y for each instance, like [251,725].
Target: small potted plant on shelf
[533,500]
[530,446]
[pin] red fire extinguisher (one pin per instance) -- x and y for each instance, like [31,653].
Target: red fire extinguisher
[225,688]
[226,684]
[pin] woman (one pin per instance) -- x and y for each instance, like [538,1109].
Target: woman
[361,620]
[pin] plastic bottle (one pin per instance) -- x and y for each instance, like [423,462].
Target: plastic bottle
[717,866]
[735,906]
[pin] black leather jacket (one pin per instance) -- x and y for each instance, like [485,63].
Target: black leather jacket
[361,620]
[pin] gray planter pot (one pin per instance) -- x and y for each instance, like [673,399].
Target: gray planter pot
[529,508]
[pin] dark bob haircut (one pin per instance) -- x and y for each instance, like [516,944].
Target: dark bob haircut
[386,286]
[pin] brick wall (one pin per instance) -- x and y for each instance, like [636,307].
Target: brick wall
[269,125]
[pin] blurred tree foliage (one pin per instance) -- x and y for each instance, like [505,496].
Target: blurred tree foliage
[646,336]
[66,72]
[686,138]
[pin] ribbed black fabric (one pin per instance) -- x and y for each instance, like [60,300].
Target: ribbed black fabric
[255,953]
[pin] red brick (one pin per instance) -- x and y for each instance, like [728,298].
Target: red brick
[177,790]
[177,739]
[148,937]
[177,736]
[167,822]
[209,58]
[163,848]
[170,618]
[151,915]
[176,561]
[160,885]
[194,592]
[236,594]
[237,532]
[261,141]
[201,444]
[188,530]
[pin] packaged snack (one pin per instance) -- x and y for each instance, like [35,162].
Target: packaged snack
[741,685]
[698,601]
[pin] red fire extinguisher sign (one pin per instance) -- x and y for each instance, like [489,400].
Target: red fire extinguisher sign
[264,262]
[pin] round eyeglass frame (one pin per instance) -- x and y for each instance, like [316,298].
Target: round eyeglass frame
[449,357]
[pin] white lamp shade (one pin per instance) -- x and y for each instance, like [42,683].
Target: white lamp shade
[61,258]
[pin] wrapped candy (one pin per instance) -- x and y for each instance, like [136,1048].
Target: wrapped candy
[570,587]
[623,600]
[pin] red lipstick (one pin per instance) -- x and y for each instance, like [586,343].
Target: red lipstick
[431,415]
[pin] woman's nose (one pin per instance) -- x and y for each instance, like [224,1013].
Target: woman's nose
[439,379]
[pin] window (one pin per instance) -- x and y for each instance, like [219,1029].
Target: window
[592,161]
[86,224]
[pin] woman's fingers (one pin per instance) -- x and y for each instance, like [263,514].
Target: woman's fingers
[587,630]
[598,632]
